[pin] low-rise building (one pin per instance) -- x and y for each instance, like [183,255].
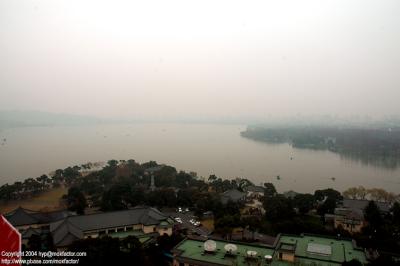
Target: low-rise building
[287,250]
[233,195]
[350,215]
[142,222]
[356,204]
[254,192]
[349,219]
[23,219]
[29,222]
[290,194]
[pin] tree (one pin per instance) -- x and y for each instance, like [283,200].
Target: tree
[71,174]
[100,251]
[76,201]
[162,198]
[356,193]
[269,190]
[252,223]
[321,195]
[112,163]
[304,202]
[328,206]
[350,193]
[212,178]
[278,208]
[373,215]
[395,210]
[226,224]
[185,197]
[118,197]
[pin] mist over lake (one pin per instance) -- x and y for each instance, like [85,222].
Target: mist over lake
[202,148]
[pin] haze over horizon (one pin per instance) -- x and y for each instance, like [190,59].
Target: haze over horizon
[184,59]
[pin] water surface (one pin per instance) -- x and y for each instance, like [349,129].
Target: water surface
[205,149]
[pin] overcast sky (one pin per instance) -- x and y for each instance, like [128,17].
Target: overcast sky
[209,58]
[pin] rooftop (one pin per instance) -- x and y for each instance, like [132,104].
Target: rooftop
[72,228]
[361,204]
[317,247]
[191,250]
[308,249]
[21,216]
[253,188]
[233,195]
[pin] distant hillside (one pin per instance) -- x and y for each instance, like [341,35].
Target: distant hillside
[37,118]
[377,146]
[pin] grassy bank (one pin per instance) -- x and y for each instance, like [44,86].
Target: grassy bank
[49,200]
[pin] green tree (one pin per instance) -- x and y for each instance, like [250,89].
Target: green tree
[373,215]
[76,201]
[304,202]
[321,195]
[278,208]
[269,190]
[225,225]
[395,210]
[118,197]
[328,206]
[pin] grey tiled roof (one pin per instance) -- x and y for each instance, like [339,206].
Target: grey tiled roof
[233,195]
[21,216]
[361,204]
[258,189]
[73,227]
[26,234]
[64,232]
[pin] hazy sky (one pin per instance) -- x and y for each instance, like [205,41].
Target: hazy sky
[163,59]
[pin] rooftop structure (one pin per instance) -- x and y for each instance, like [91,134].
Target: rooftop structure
[287,250]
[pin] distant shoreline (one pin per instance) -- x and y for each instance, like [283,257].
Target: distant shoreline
[379,146]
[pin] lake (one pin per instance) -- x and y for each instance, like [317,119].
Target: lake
[202,148]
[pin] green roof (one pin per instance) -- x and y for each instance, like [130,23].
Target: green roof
[191,250]
[194,249]
[342,250]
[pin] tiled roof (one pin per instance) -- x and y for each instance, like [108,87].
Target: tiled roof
[233,195]
[21,216]
[258,189]
[361,204]
[26,234]
[76,225]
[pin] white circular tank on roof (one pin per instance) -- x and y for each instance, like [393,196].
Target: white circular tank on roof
[251,253]
[230,248]
[210,245]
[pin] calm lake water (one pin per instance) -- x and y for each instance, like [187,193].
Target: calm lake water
[205,149]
